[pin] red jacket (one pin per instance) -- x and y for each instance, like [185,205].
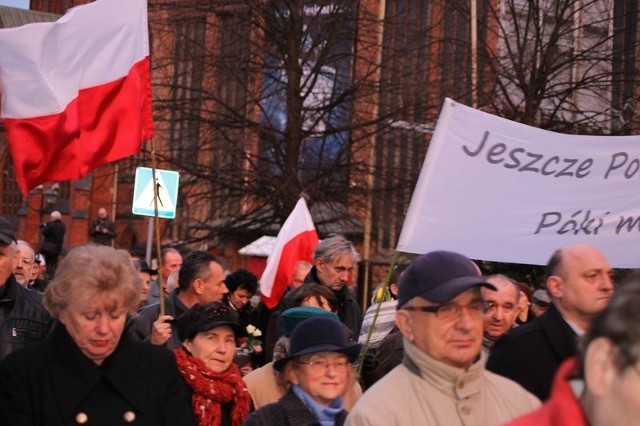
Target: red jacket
[562,408]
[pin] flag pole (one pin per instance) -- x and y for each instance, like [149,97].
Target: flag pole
[379,299]
[156,225]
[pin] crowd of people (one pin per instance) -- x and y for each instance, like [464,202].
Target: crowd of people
[441,344]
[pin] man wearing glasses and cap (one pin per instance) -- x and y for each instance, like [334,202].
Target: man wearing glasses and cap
[442,379]
[23,319]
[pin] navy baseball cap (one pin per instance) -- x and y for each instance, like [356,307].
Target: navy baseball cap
[439,276]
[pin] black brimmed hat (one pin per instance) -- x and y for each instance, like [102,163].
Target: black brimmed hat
[319,334]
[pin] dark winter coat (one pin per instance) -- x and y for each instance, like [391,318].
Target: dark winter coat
[53,383]
[288,411]
[23,319]
[531,354]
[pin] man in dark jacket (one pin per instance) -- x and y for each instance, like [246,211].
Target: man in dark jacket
[53,233]
[200,280]
[23,319]
[102,230]
[579,283]
[334,260]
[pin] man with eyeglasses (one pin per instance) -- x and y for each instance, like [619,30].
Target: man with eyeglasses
[23,318]
[501,308]
[579,283]
[442,379]
[23,263]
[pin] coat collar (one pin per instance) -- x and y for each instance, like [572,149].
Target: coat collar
[455,382]
[74,375]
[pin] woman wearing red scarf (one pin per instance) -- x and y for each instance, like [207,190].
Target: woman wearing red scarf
[205,360]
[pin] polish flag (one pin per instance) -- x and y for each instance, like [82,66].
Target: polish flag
[296,241]
[76,93]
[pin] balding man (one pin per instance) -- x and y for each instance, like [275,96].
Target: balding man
[501,308]
[171,263]
[23,263]
[580,286]
[102,230]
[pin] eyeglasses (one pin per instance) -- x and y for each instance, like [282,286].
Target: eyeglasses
[450,311]
[493,306]
[322,365]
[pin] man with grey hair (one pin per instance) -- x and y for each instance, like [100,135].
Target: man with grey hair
[442,379]
[334,259]
[23,319]
[53,233]
[501,308]
[24,261]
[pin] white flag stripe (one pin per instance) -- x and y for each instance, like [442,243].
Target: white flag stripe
[299,221]
[44,65]
[494,189]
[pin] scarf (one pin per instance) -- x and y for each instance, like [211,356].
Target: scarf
[211,390]
[326,415]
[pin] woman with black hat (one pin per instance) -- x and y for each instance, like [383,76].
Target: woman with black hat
[205,360]
[319,370]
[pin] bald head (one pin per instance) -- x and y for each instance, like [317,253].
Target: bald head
[579,283]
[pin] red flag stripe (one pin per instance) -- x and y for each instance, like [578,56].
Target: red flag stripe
[298,248]
[103,124]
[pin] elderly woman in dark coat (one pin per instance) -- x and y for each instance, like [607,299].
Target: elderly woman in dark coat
[318,369]
[208,333]
[87,371]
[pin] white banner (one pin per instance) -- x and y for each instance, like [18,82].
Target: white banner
[497,190]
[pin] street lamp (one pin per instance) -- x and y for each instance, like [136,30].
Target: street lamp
[48,198]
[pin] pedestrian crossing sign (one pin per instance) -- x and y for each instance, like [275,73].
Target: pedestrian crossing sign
[166,183]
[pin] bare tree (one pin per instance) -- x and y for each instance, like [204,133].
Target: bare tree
[261,102]
[566,65]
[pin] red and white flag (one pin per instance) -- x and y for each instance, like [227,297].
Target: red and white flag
[296,241]
[76,93]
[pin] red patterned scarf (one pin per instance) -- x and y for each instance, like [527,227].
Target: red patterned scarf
[211,389]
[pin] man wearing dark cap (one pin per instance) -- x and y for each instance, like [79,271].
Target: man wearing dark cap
[23,319]
[442,379]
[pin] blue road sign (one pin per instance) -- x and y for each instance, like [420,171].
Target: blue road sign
[167,182]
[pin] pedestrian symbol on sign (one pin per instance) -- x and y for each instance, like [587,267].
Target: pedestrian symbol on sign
[166,184]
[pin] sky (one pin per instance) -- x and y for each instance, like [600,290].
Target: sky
[15,3]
